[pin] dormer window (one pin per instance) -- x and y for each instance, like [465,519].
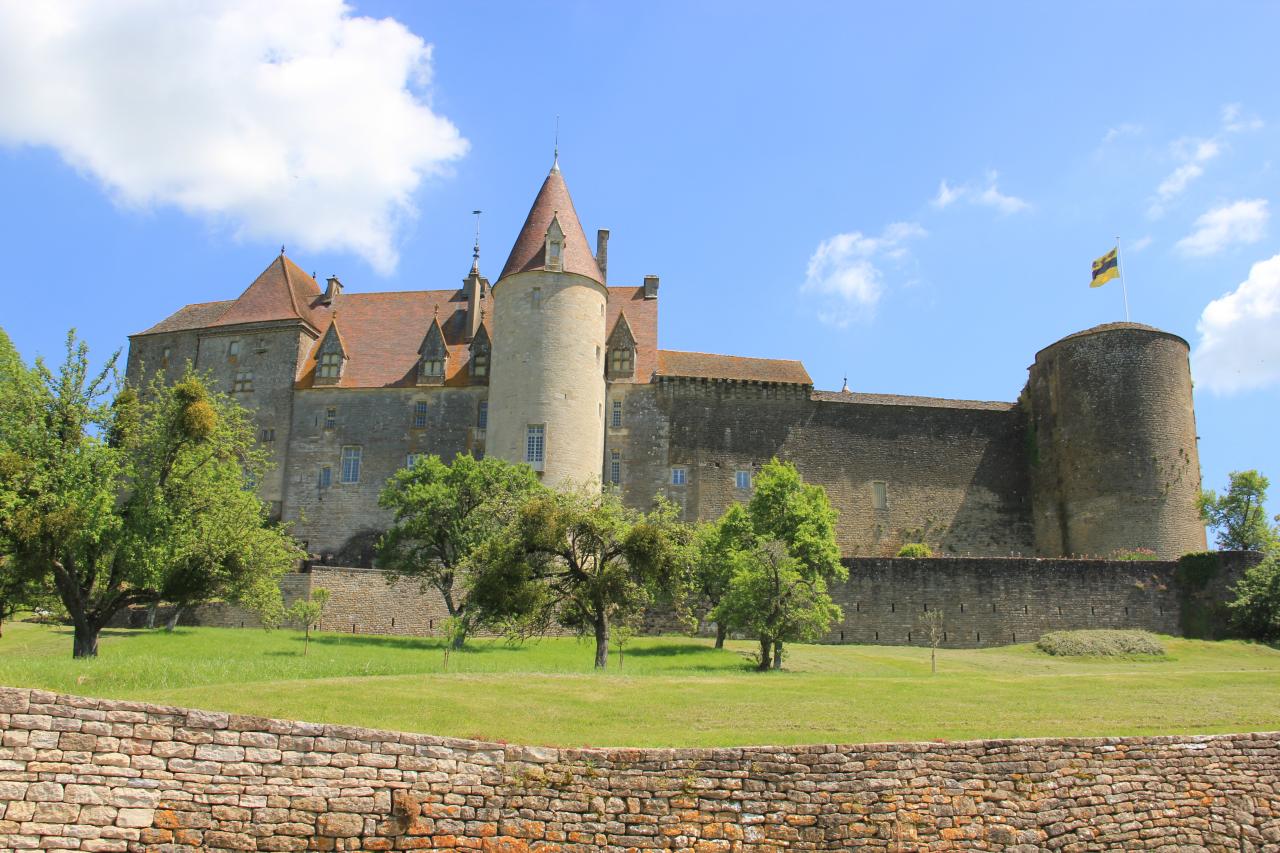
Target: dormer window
[553,254]
[622,361]
[432,367]
[330,366]
[555,245]
[480,363]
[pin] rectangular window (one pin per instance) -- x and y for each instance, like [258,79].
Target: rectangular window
[678,476]
[267,436]
[535,297]
[742,479]
[330,417]
[535,449]
[420,414]
[621,361]
[330,366]
[615,467]
[480,363]
[433,366]
[880,495]
[326,477]
[616,422]
[351,463]
[243,381]
[482,419]
[164,357]
[233,348]
[412,459]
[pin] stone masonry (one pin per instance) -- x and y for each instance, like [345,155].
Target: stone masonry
[100,775]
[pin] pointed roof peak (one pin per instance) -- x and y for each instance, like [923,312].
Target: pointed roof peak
[529,252]
[281,292]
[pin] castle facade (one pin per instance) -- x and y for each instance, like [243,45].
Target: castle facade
[552,366]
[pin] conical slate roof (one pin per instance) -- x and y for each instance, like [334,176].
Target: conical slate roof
[529,252]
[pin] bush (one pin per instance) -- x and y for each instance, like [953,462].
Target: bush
[1255,613]
[915,550]
[1100,643]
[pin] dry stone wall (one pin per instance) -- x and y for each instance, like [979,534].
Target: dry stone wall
[90,774]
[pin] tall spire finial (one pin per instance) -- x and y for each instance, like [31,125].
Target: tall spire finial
[475,250]
[844,389]
[555,163]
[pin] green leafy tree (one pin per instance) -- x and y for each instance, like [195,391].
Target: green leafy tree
[1239,516]
[775,598]
[582,561]
[443,514]
[19,590]
[716,546]
[308,612]
[1255,612]
[785,512]
[118,498]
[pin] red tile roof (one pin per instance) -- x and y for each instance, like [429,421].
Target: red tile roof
[529,250]
[201,315]
[701,365]
[905,400]
[642,317]
[282,292]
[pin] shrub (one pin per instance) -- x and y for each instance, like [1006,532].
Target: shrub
[1100,643]
[915,550]
[1255,613]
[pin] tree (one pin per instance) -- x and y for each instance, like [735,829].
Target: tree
[773,597]
[19,590]
[308,612]
[582,561]
[1239,516]
[122,502]
[1255,612]
[785,512]
[443,514]
[716,544]
[933,621]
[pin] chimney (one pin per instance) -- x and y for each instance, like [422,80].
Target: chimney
[651,287]
[330,292]
[602,253]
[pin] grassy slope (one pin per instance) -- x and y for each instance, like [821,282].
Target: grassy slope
[671,692]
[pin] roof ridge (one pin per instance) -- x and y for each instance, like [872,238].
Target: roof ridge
[724,355]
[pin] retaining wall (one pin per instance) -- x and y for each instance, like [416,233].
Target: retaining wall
[90,774]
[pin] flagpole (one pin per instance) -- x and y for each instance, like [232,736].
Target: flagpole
[1123,288]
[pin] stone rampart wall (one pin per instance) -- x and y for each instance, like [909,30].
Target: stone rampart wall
[92,774]
[986,601]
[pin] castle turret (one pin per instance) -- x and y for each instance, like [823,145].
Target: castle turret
[547,383]
[1112,444]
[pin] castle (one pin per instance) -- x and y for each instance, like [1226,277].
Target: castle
[552,366]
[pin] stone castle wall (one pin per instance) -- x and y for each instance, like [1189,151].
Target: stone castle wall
[94,774]
[985,601]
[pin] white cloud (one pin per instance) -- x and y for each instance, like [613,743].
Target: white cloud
[1239,348]
[946,194]
[844,269]
[292,121]
[1194,153]
[1126,129]
[1240,222]
[988,195]
[1234,120]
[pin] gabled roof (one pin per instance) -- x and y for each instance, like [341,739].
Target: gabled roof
[433,342]
[201,315]
[335,335]
[529,251]
[282,292]
[701,365]
[621,335]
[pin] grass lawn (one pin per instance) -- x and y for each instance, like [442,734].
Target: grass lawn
[671,691]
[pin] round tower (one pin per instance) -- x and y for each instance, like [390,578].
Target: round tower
[547,388]
[1112,444]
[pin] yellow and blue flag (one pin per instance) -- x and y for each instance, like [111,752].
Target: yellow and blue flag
[1105,268]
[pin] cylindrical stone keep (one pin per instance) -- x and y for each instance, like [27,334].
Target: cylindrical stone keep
[1112,444]
[548,371]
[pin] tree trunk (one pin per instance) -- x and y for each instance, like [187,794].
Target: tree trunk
[172,621]
[933,659]
[85,644]
[151,614]
[777,655]
[602,639]
[721,630]
[765,645]
[306,643]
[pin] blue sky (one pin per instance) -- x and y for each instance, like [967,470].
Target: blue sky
[909,194]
